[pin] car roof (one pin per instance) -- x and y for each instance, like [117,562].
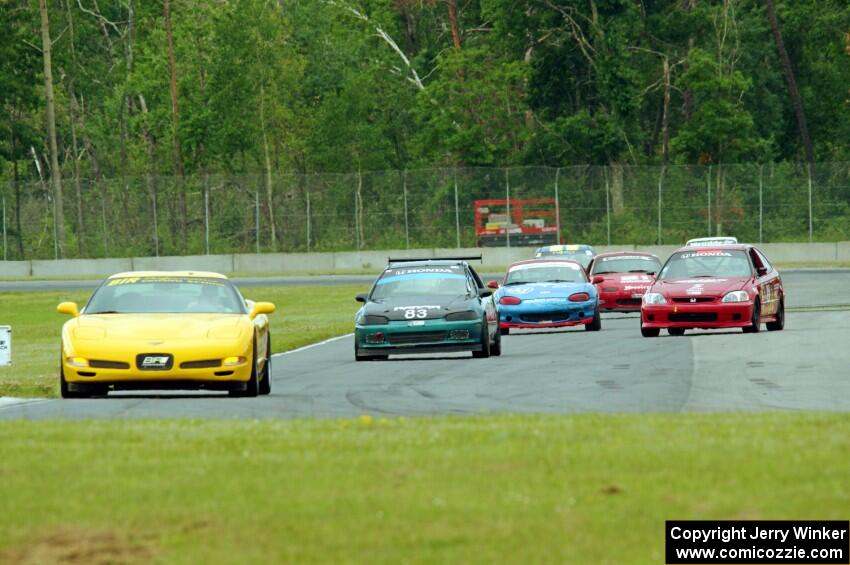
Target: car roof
[713,240]
[564,248]
[428,263]
[617,253]
[186,274]
[544,260]
[730,247]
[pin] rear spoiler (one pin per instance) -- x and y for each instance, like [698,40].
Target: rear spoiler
[423,259]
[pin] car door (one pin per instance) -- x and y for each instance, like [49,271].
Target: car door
[768,283]
[487,302]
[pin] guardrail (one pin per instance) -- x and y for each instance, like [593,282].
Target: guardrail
[344,262]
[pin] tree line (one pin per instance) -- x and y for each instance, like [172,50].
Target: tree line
[185,89]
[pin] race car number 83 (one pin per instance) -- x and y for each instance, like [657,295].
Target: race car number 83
[411,314]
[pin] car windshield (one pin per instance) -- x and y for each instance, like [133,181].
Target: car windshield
[155,295]
[581,257]
[421,281]
[706,263]
[544,272]
[626,264]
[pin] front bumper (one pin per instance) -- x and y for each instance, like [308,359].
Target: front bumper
[703,316]
[620,301]
[429,336]
[119,363]
[546,314]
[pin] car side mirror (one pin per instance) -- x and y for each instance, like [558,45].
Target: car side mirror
[69,308]
[484,292]
[262,308]
[598,279]
[362,297]
[493,284]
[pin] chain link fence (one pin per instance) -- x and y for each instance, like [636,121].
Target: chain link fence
[217,214]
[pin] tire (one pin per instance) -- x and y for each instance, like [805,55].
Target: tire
[676,331]
[485,342]
[358,357]
[755,324]
[266,376]
[779,324]
[252,387]
[496,350]
[65,391]
[504,331]
[596,324]
[650,332]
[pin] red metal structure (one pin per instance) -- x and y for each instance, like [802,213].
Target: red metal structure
[533,222]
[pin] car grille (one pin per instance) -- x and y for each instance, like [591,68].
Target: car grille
[556,316]
[628,301]
[416,337]
[205,364]
[100,364]
[693,317]
[694,299]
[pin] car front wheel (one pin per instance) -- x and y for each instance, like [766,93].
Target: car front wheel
[485,342]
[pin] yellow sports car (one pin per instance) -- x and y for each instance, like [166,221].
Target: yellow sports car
[166,330]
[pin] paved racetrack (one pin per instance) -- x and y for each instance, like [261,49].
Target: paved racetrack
[804,367]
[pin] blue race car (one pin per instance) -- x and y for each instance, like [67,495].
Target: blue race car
[547,293]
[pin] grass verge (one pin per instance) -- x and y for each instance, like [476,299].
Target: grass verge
[509,489]
[304,315]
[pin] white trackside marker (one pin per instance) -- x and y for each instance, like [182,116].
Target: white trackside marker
[337,338]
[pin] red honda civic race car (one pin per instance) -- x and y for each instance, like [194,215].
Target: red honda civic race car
[727,286]
[622,277]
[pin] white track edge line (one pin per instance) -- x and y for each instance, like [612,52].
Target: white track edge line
[11,401]
[337,338]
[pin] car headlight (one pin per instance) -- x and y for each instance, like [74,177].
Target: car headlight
[78,361]
[462,316]
[736,296]
[372,320]
[654,298]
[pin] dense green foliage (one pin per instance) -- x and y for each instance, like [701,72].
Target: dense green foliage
[285,89]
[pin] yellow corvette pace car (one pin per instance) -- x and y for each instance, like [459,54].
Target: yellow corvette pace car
[166,330]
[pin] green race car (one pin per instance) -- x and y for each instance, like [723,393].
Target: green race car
[427,306]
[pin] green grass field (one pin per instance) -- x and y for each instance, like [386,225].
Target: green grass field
[304,315]
[507,489]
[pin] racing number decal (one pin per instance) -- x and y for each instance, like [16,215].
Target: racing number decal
[411,314]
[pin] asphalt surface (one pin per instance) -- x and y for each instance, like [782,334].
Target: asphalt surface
[804,367]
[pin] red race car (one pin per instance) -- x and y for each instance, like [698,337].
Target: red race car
[621,279]
[725,286]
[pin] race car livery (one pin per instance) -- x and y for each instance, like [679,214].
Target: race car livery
[621,279]
[165,330]
[729,286]
[547,293]
[582,254]
[426,306]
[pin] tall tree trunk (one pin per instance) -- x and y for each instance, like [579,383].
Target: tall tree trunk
[150,177]
[73,113]
[665,131]
[175,126]
[16,186]
[55,173]
[616,187]
[452,6]
[788,72]
[268,168]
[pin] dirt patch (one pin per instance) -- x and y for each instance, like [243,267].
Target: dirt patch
[77,545]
